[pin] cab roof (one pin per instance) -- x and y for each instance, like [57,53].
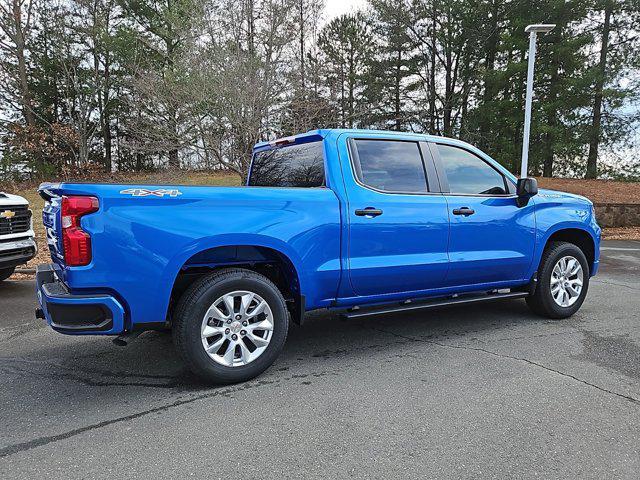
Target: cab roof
[319,134]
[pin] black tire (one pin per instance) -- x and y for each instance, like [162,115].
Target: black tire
[542,302]
[190,312]
[6,273]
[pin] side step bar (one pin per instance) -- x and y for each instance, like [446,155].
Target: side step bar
[408,306]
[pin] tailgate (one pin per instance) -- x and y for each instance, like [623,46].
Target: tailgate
[51,220]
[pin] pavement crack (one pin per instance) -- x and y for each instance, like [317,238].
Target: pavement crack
[629,398]
[217,392]
[616,284]
[40,441]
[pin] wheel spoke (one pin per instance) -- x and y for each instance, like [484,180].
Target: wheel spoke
[229,302]
[572,291]
[570,266]
[230,354]
[246,301]
[245,355]
[577,269]
[263,325]
[256,340]
[215,312]
[209,331]
[215,346]
[257,310]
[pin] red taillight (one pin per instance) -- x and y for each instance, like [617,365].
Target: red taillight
[76,242]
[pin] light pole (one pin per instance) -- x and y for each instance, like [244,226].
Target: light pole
[532,30]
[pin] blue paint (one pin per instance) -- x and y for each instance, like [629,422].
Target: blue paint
[417,248]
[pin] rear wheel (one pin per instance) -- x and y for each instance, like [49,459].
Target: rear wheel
[230,326]
[563,281]
[6,273]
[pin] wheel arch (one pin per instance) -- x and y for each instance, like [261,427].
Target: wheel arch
[269,257]
[581,237]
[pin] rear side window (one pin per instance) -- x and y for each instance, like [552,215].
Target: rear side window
[389,165]
[469,174]
[293,166]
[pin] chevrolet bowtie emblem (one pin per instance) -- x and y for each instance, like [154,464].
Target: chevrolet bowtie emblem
[8,214]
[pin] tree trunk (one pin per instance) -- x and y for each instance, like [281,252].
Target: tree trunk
[302,79]
[351,84]
[448,83]
[489,87]
[596,123]
[25,94]
[552,113]
[174,162]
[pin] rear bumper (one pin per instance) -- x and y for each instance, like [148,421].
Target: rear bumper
[85,314]
[16,251]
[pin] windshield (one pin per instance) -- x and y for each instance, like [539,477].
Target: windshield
[291,166]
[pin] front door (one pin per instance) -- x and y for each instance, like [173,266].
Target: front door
[398,230]
[492,239]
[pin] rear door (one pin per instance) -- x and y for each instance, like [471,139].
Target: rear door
[492,239]
[398,225]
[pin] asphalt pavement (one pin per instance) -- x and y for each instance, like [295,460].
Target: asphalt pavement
[488,391]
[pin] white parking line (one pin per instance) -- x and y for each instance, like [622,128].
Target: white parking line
[621,248]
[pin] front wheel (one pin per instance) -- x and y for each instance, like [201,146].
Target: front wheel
[563,281]
[231,325]
[6,273]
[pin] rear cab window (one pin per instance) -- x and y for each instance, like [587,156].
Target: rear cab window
[392,166]
[298,165]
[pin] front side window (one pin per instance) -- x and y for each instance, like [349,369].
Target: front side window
[290,166]
[469,174]
[389,165]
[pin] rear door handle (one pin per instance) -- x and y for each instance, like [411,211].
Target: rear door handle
[368,212]
[466,211]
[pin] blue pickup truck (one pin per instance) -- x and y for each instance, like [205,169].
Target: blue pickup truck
[365,222]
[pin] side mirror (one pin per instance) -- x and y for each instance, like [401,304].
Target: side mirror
[525,189]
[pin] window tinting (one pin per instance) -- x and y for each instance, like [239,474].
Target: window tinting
[392,166]
[470,174]
[293,166]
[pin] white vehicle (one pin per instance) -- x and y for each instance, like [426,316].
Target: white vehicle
[17,243]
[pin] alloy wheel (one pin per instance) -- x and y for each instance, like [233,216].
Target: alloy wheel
[567,278]
[237,328]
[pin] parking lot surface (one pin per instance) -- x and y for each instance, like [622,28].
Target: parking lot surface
[488,391]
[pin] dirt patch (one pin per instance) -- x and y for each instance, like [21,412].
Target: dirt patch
[621,233]
[598,191]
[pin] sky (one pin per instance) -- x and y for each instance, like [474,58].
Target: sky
[334,8]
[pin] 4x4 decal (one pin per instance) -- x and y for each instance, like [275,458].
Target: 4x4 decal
[143,192]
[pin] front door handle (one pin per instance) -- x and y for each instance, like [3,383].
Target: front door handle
[466,211]
[368,212]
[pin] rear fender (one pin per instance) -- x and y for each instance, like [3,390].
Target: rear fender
[177,263]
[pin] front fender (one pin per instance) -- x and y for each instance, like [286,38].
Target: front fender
[553,217]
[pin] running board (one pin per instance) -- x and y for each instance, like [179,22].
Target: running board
[409,305]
